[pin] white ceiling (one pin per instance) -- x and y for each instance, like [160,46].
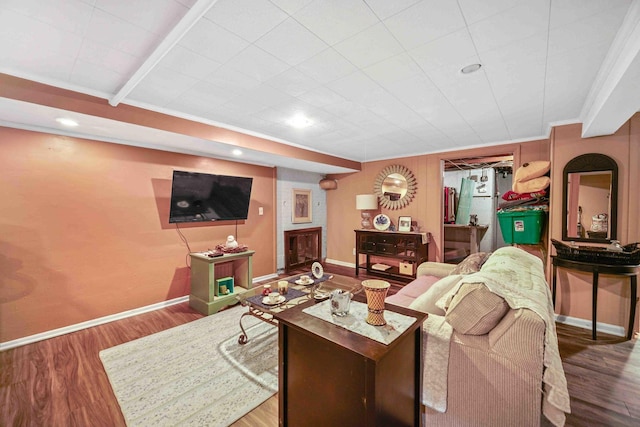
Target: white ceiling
[378,78]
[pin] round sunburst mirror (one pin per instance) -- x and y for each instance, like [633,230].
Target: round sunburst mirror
[395,187]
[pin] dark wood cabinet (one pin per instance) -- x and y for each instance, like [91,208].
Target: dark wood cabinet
[302,247]
[401,251]
[330,376]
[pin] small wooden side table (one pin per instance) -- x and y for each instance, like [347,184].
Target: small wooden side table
[597,269]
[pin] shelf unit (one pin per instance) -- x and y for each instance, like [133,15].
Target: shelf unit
[400,247]
[302,247]
[205,271]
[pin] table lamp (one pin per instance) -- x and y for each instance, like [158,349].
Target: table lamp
[366,203]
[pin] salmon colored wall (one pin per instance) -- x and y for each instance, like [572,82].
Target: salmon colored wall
[574,294]
[574,288]
[426,207]
[84,229]
[342,216]
[633,218]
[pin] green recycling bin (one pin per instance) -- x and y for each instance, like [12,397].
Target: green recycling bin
[522,227]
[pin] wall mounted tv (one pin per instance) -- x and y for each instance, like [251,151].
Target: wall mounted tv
[202,197]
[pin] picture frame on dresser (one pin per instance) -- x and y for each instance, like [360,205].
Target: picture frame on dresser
[404,223]
[301,206]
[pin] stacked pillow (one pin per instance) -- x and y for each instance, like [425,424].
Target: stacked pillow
[530,177]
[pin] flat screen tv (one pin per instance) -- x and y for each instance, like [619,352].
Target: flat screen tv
[201,197]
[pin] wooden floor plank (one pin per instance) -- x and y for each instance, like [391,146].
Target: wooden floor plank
[61,381]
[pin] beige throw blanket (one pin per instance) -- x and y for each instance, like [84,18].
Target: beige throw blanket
[435,349]
[518,277]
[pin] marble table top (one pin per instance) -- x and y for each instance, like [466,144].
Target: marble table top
[356,322]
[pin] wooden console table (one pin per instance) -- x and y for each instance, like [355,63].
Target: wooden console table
[410,248]
[204,272]
[330,376]
[597,269]
[465,237]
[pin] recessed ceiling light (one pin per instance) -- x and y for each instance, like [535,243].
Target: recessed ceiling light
[300,121]
[471,68]
[67,122]
[237,152]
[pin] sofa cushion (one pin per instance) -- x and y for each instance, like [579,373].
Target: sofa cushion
[471,264]
[418,286]
[475,310]
[427,301]
[411,291]
[438,269]
[399,299]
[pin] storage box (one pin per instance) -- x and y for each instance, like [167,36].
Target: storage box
[522,227]
[225,282]
[406,267]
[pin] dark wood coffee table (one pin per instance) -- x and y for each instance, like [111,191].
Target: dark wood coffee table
[298,294]
[329,375]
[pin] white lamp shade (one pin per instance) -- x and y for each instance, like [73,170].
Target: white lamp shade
[366,202]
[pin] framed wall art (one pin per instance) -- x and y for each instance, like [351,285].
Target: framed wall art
[404,223]
[301,206]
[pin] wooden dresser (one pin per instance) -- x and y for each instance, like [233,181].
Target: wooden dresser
[395,249]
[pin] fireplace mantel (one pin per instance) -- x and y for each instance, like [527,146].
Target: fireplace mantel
[302,247]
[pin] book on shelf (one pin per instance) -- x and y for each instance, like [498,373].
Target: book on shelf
[380,267]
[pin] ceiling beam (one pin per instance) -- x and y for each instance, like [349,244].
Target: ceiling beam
[38,93]
[615,94]
[199,9]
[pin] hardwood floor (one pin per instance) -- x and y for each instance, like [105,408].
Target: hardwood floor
[603,377]
[61,381]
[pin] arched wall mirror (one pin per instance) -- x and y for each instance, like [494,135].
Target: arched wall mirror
[590,199]
[395,186]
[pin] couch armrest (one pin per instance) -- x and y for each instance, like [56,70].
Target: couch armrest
[519,336]
[437,269]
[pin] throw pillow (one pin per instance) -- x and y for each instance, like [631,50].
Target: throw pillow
[531,170]
[471,264]
[427,301]
[475,310]
[532,185]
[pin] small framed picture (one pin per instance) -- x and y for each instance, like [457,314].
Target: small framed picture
[404,223]
[301,206]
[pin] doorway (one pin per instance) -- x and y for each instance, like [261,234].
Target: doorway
[472,190]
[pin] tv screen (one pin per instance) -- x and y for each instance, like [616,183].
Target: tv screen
[200,197]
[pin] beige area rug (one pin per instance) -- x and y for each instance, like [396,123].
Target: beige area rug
[195,374]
